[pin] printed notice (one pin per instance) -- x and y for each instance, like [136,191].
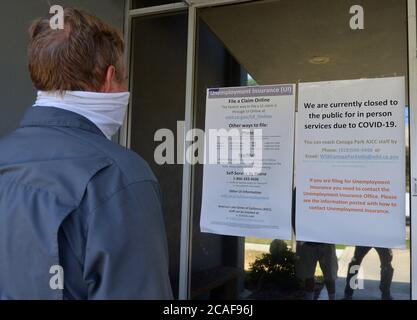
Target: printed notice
[350,166]
[247,186]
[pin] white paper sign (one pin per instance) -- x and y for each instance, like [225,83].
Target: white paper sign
[236,202]
[350,167]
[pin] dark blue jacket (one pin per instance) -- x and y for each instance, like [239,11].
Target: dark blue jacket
[73,199]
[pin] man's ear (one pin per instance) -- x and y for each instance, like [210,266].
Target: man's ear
[109,80]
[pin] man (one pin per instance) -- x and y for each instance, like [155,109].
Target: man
[387,271]
[308,254]
[80,216]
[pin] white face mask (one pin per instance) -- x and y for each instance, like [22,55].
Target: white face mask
[106,110]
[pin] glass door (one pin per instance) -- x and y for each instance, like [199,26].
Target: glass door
[293,41]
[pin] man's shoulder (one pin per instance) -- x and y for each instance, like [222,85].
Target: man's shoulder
[132,165]
[76,156]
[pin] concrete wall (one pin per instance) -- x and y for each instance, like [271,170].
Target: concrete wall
[16,90]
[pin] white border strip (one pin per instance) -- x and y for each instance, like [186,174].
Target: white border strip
[412,85]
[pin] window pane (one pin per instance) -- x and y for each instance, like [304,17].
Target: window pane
[291,41]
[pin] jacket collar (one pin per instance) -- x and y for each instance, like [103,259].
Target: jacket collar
[54,117]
